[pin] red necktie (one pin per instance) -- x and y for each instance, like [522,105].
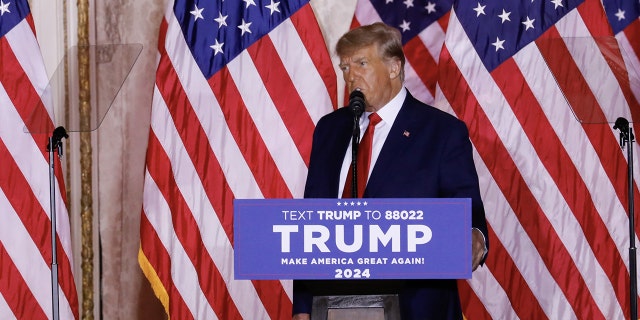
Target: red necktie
[364,159]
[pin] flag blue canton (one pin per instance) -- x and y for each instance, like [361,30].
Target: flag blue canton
[11,13]
[499,29]
[621,13]
[410,16]
[218,31]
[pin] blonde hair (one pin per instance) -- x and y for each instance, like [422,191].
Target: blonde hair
[387,39]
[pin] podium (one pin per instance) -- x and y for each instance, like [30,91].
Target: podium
[356,307]
[372,246]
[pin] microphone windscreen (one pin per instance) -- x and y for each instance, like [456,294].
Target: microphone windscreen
[356,102]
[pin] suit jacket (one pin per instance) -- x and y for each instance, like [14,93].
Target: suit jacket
[427,154]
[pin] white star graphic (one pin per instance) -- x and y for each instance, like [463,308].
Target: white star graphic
[221,20]
[244,27]
[405,26]
[504,16]
[498,44]
[557,3]
[479,9]
[249,2]
[197,13]
[528,23]
[408,3]
[273,7]
[431,7]
[4,7]
[620,14]
[217,47]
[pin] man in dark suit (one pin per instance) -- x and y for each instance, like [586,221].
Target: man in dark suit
[417,152]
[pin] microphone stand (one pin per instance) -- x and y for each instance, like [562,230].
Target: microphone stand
[355,144]
[55,143]
[356,105]
[627,138]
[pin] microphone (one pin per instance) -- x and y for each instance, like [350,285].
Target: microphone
[356,103]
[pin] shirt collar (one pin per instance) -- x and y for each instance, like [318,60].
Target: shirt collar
[390,111]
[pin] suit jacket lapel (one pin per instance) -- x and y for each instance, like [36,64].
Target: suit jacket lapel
[394,148]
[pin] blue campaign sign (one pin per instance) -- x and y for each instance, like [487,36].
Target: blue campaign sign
[352,238]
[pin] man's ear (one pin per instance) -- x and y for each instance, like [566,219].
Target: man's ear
[394,68]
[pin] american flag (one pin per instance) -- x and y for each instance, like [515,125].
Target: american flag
[239,88]
[554,188]
[25,227]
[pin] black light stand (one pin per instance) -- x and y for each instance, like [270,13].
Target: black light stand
[55,143]
[626,138]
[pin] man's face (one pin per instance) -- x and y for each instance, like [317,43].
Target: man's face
[377,79]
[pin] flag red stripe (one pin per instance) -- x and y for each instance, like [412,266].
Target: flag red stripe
[187,231]
[283,94]
[306,24]
[15,290]
[444,20]
[247,137]
[632,32]
[24,97]
[472,307]
[159,258]
[595,18]
[274,298]
[425,66]
[517,193]
[562,170]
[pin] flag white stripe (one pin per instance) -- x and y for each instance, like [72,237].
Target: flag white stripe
[415,85]
[5,311]
[23,43]
[283,150]
[366,13]
[213,235]
[492,295]
[183,273]
[534,173]
[304,75]
[593,67]
[432,37]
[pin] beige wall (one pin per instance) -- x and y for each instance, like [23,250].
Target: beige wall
[120,142]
